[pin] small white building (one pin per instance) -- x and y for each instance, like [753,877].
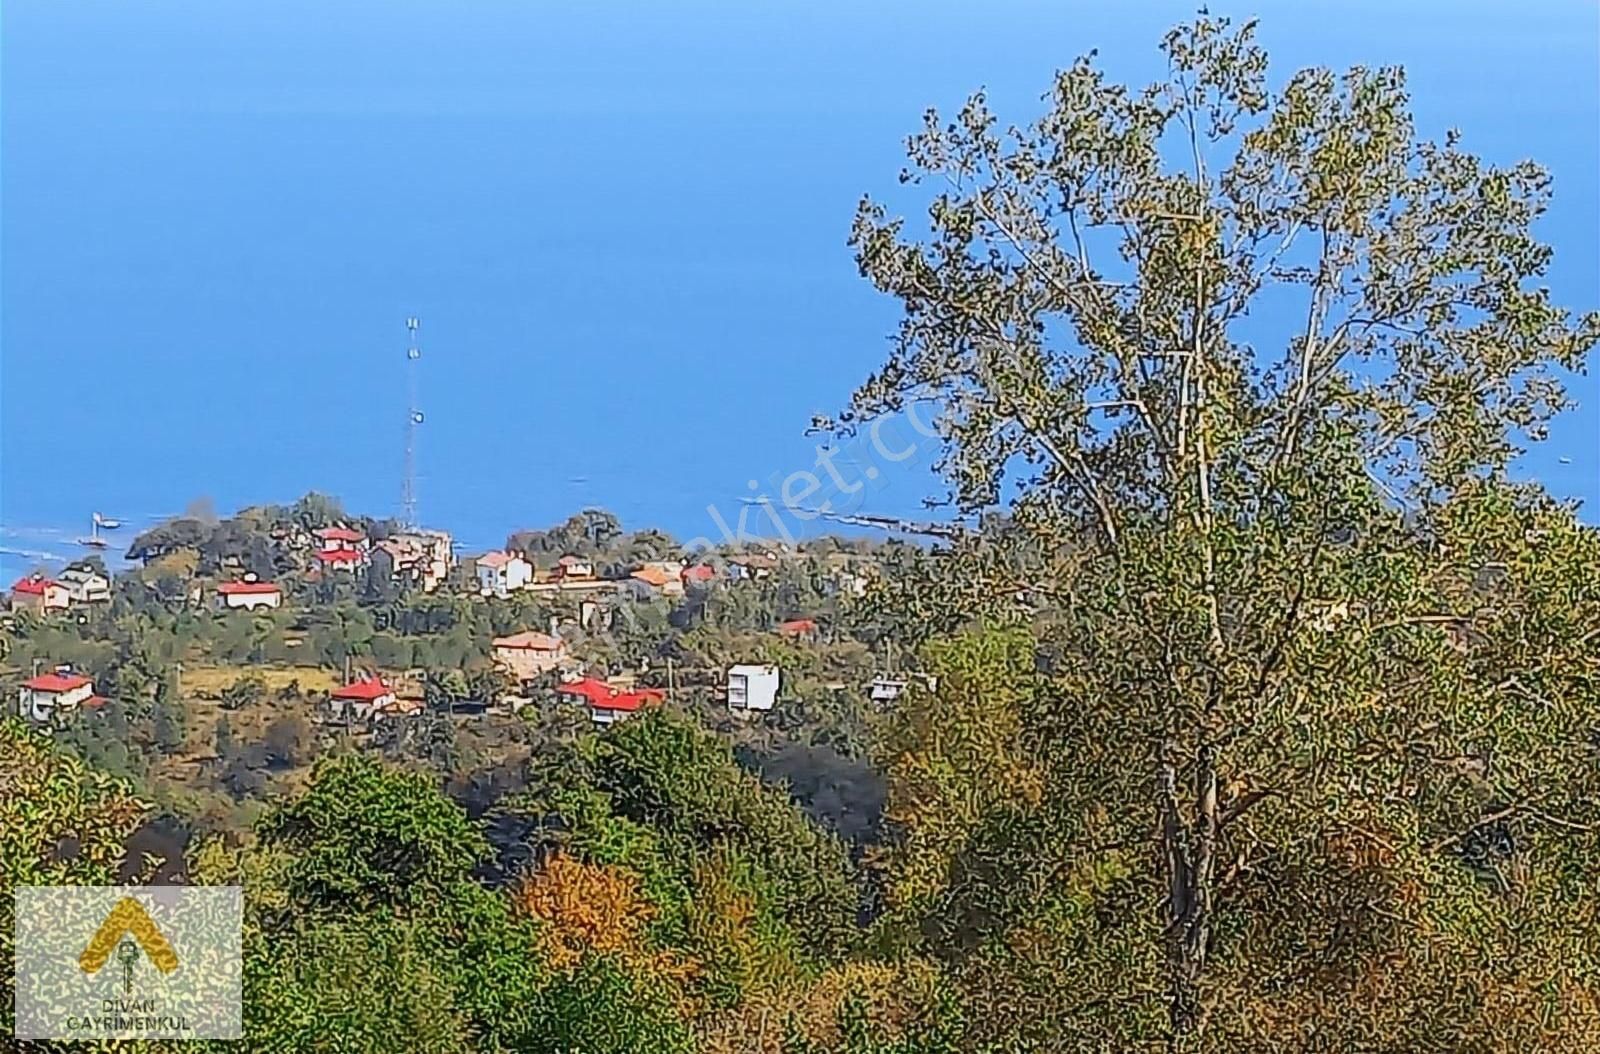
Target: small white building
[249,595]
[752,687]
[501,574]
[886,689]
[86,586]
[43,697]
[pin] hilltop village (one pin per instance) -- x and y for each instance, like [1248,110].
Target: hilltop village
[234,652]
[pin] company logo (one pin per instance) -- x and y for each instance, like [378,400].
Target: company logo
[127,929]
[128,962]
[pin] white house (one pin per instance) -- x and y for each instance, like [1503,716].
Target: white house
[500,574]
[752,687]
[86,586]
[886,689]
[43,697]
[361,700]
[249,595]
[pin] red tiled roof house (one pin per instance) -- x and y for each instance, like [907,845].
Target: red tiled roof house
[362,699]
[608,704]
[44,697]
[40,594]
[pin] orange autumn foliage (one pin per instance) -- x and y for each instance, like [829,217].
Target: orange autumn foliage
[592,909]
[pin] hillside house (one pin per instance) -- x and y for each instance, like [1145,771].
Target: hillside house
[85,585]
[48,696]
[249,595]
[527,655]
[345,559]
[753,566]
[698,575]
[799,628]
[501,574]
[571,568]
[415,558]
[330,539]
[752,686]
[39,594]
[606,703]
[361,700]
[661,577]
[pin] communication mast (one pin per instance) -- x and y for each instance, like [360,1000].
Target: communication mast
[408,492]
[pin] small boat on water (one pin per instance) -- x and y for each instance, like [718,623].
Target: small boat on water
[107,522]
[94,541]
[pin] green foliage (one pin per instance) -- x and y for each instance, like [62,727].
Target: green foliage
[1284,593]
[61,823]
[366,836]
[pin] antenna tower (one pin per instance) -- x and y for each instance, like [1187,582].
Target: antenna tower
[408,492]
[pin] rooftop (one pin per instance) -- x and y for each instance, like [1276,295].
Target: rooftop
[55,682]
[368,688]
[228,589]
[531,640]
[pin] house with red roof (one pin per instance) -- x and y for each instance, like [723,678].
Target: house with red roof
[800,628]
[698,575]
[48,696]
[501,574]
[607,703]
[341,559]
[361,700]
[527,655]
[39,594]
[661,576]
[341,538]
[248,595]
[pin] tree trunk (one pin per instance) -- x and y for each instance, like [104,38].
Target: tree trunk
[1188,854]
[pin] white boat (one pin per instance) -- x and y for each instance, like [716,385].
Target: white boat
[94,541]
[107,522]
